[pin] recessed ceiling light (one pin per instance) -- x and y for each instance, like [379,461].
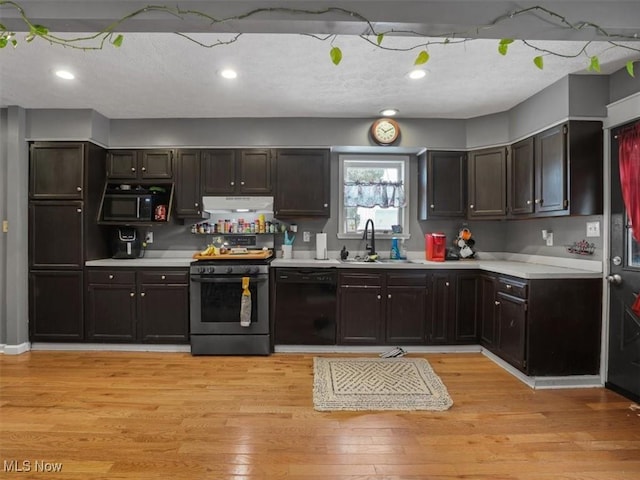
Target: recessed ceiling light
[416,74]
[67,75]
[228,73]
[389,112]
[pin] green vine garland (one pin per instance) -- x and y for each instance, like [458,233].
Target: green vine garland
[109,35]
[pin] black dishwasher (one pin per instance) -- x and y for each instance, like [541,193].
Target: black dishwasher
[305,306]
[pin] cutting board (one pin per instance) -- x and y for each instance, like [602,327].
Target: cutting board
[235,256]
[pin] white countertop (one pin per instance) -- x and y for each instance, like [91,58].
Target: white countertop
[517,265]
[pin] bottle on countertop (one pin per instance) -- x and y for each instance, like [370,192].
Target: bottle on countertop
[395,249]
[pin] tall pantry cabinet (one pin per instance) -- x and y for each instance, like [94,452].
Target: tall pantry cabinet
[65,183]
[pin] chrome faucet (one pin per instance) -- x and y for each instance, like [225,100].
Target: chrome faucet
[371,247]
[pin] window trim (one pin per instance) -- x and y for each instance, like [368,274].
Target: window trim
[406,234]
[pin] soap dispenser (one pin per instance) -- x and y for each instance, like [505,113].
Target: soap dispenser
[395,249]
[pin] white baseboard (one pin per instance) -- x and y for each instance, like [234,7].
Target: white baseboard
[545,383]
[376,349]
[15,349]
[108,347]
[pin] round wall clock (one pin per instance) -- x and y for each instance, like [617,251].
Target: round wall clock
[385,131]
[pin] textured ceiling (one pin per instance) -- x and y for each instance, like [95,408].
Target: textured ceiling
[161,75]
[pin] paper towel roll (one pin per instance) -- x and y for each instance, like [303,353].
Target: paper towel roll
[321,246]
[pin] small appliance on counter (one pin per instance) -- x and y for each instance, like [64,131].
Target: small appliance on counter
[126,243]
[435,246]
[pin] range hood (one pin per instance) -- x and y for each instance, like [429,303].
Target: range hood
[217,205]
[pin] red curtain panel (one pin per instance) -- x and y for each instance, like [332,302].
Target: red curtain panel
[629,160]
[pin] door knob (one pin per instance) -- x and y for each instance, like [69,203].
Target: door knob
[614,279]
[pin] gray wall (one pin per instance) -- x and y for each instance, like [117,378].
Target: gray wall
[14,167]
[3,216]
[621,85]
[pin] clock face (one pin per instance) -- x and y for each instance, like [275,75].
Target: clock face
[385,131]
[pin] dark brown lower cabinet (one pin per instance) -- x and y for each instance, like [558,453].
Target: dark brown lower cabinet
[407,308]
[56,306]
[543,327]
[487,310]
[453,318]
[382,308]
[163,306]
[511,319]
[147,306]
[360,308]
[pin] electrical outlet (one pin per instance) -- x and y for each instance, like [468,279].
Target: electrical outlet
[306,236]
[593,229]
[149,237]
[549,239]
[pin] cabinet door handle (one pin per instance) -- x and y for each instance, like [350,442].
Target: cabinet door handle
[232,183]
[538,201]
[133,169]
[432,206]
[144,169]
[326,205]
[508,287]
[142,294]
[241,183]
[79,189]
[512,322]
[497,302]
[163,277]
[132,294]
[389,295]
[472,206]
[379,297]
[110,277]
[196,204]
[79,210]
[528,202]
[446,284]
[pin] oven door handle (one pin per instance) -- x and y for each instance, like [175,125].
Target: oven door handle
[228,280]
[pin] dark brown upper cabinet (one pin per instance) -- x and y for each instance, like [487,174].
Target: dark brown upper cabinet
[57,171]
[233,172]
[557,172]
[487,183]
[443,185]
[521,168]
[187,178]
[140,164]
[568,169]
[302,183]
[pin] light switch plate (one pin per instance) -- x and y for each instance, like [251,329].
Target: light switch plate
[5,226]
[593,229]
[149,237]
[306,236]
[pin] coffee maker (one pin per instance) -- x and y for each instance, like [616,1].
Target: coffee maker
[126,243]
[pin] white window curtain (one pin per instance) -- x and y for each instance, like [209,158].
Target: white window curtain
[371,194]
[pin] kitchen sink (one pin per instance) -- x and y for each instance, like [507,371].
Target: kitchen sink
[368,262]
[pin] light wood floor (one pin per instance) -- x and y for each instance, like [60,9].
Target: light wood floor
[114,415]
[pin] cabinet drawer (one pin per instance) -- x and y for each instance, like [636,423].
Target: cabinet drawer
[361,279]
[164,277]
[407,279]
[512,287]
[111,276]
